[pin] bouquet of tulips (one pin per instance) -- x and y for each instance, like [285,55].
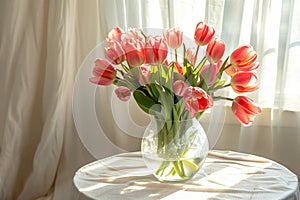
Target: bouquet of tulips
[169,87]
[176,89]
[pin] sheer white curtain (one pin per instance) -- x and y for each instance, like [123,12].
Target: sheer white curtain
[43,43]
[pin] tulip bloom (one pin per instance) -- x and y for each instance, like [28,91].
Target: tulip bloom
[245,109]
[156,50]
[244,82]
[215,50]
[134,51]
[174,37]
[230,71]
[244,58]
[203,34]
[114,52]
[179,87]
[104,73]
[215,68]
[123,93]
[196,100]
[144,77]
[115,34]
[191,56]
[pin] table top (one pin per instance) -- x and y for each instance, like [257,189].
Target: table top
[224,175]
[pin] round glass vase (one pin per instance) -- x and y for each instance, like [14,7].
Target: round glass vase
[174,150]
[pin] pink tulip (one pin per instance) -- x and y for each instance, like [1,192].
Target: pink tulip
[244,58]
[196,100]
[179,87]
[144,77]
[215,68]
[156,50]
[114,52]
[174,37]
[215,50]
[104,73]
[123,93]
[203,34]
[244,82]
[132,33]
[115,34]
[191,56]
[245,109]
[134,51]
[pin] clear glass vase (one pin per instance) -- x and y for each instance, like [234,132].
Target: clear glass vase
[174,150]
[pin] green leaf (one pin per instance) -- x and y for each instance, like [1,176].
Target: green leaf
[144,101]
[200,65]
[218,84]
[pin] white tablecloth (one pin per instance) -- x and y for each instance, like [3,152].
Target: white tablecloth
[224,175]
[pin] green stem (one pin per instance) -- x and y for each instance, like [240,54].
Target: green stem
[223,98]
[176,55]
[196,55]
[125,67]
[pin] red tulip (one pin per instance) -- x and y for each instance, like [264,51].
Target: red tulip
[114,52]
[244,58]
[156,50]
[174,37]
[196,100]
[104,73]
[123,93]
[244,82]
[115,34]
[245,109]
[134,51]
[203,34]
[215,50]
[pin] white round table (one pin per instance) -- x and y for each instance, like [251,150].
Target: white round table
[224,175]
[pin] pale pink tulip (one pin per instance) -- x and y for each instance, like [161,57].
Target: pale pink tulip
[179,87]
[191,56]
[123,93]
[114,52]
[174,37]
[144,77]
[115,34]
[215,68]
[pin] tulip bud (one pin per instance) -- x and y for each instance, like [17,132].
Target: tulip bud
[203,34]
[245,109]
[104,73]
[174,37]
[215,50]
[123,93]
[179,87]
